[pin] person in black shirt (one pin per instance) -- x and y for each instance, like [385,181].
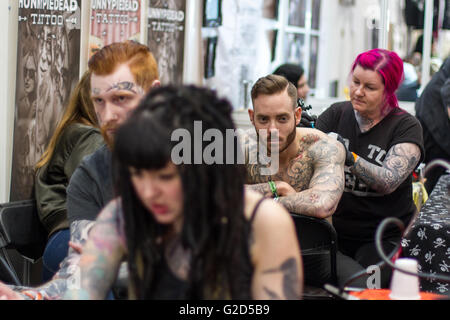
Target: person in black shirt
[384,144]
[433,112]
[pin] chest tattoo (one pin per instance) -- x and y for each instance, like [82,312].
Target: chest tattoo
[297,172]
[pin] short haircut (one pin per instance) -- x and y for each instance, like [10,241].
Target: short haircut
[140,60]
[292,72]
[274,84]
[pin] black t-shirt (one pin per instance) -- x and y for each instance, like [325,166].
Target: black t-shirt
[361,209]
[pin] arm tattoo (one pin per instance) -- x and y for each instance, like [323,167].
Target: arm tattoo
[400,161]
[67,275]
[316,174]
[291,282]
[99,262]
[262,188]
[326,185]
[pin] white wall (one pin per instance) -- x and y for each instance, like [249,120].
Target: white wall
[8,37]
[344,34]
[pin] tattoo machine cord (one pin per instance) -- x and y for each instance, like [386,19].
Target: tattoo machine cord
[378,237]
[387,260]
[437,162]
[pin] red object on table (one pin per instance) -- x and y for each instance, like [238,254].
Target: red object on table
[383,294]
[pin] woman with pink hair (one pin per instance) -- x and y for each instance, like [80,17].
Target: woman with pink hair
[384,145]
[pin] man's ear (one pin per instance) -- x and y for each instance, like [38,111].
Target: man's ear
[298,115]
[251,114]
[156,84]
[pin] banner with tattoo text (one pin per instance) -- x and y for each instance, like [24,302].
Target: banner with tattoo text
[48,54]
[166,24]
[114,21]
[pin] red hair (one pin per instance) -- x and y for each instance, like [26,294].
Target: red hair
[138,57]
[389,66]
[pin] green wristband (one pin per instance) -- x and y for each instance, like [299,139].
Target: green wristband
[273,188]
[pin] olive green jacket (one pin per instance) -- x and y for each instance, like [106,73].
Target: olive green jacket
[51,181]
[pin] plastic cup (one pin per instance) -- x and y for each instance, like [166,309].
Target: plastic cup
[405,286]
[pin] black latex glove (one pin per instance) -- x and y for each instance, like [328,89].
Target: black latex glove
[349,159]
[307,120]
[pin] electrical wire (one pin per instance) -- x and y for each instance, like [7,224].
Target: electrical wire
[387,260]
[378,237]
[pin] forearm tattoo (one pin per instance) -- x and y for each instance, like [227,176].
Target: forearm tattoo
[399,163]
[316,174]
[262,188]
[67,276]
[101,257]
[290,283]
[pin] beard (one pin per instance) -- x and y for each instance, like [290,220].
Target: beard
[107,136]
[289,139]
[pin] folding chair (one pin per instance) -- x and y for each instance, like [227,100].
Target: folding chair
[21,230]
[317,237]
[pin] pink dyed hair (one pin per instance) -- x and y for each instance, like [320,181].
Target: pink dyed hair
[390,67]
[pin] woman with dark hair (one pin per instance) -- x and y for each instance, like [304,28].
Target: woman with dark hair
[384,144]
[76,136]
[187,229]
[295,74]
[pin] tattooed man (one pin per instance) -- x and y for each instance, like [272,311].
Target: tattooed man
[310,175]
[121,75]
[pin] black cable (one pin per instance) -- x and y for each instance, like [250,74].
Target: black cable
[387,260]
[378,237]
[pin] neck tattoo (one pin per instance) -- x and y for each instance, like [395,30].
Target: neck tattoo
[365,124]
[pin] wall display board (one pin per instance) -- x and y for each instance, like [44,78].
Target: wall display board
[113,21]
[47,69]
[166,25]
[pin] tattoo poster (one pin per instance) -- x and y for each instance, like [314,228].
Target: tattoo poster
[48,53]
[166,25]
[113,21]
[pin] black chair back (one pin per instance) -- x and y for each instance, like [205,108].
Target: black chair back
[317,237]
[21,228]
[23,234]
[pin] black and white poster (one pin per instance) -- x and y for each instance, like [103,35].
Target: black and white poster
[47,69]
[166,26]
